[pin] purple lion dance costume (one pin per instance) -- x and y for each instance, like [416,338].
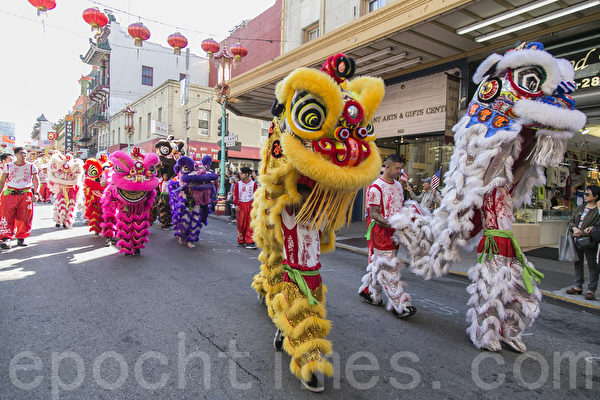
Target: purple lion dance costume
[190,197]
[127,200]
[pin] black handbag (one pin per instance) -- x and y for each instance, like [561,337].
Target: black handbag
[585,242]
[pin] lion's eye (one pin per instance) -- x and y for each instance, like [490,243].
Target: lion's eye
[165,150]
[529,78]
[307,112]
[93,171]
[118,169]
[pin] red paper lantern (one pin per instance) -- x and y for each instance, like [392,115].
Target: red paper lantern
[210,46]
[43,5]
[177,41]
[239,51]
[139,32]
[96,18]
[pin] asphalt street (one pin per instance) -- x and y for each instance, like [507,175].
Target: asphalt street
[80,321]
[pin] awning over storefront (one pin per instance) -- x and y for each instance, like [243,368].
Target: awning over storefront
[410,36]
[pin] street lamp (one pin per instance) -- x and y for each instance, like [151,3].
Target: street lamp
[224,61]
[128,113]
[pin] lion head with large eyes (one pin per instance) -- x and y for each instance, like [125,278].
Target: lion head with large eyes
[134,175]
[322,138]
[64,169]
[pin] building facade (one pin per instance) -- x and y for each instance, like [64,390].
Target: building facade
[124,73]
[160,113]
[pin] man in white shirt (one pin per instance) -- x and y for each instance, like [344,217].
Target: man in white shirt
[16,208]
[385,197]
[243,196]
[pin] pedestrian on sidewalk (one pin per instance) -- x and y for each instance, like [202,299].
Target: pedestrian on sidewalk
[581,225]
[429,198]
[16,210]
[385,197]
[243,195]
[5,158]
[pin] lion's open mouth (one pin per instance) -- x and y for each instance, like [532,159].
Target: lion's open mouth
[132,196]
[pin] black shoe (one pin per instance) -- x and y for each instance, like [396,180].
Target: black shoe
[57,225]
[136,252]
[313,384]
[278,340]
[368,299]
[21,243]
[409,312]
[241,244]
[5,244]
[251,246]
[64,226]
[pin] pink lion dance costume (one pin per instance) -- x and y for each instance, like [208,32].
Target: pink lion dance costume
[64,175]
[127,200]
[94,184]
[517,123]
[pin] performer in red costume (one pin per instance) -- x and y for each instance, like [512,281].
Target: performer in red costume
[21,181]
[243,196]
[385,197]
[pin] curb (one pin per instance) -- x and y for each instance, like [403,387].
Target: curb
[551,297]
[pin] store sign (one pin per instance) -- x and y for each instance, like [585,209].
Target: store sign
[587,69]
[68,135]
[159,128]
[413,107]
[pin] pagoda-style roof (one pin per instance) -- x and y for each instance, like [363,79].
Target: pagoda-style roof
[41,118]
[96,53]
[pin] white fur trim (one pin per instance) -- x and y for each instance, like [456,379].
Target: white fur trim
[566,69]
[488,63]
[549,115]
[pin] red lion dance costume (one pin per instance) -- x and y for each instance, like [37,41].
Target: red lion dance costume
[127,200]
[64,174]
[517,123]
[94,184]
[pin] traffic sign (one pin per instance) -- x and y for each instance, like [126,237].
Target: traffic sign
[230,138]
[235,146]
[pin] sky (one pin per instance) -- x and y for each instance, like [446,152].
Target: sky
[40,63]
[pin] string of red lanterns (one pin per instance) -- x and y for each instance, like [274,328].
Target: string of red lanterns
[140,33]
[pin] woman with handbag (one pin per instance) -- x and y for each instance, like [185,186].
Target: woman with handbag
[584,219]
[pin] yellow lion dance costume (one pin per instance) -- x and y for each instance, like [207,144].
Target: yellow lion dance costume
[321,137]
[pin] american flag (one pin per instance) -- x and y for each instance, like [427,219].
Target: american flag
[435,179]
[403,177]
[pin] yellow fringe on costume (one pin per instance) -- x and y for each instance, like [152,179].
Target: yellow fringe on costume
[328,207]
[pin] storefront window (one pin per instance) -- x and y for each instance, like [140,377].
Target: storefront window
[424,155]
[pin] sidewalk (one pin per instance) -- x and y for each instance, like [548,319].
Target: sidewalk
[558,275]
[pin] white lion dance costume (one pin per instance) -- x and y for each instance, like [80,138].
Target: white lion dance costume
[127,200]
[64,175]
[517,123]
[321,140]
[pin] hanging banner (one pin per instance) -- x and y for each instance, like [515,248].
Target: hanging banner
[68,136]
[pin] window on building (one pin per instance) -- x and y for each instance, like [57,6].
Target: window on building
[373,5]
[182,77]
[148,133]
[159,116]
[147,75]
[311,32]
[118,135]
[140,127]
[203,122]
[264,132]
